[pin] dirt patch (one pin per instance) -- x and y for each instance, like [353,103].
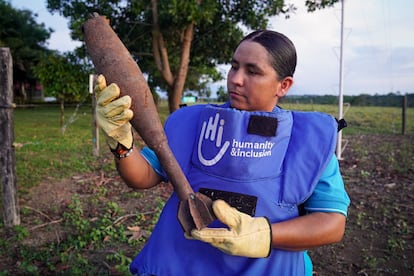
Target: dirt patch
[379,177]
[47,203]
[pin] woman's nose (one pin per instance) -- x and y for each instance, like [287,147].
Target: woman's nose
[236,77]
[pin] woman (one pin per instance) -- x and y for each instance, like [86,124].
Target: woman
[283,159]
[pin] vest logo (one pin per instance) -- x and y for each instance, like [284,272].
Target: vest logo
[212,132]
[250,149]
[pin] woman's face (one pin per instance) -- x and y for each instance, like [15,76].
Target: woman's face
[252,83]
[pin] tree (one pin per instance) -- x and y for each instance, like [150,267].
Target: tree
[179,41]
[221,94]
[63,76]
[26,40]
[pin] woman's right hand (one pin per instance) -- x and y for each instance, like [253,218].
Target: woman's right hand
[113,113]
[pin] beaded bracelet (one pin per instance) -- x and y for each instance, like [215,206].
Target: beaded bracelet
[121,151]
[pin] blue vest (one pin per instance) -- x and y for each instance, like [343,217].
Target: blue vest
[276,156]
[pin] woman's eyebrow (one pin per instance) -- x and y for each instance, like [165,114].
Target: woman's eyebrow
[254,66]
[250,66]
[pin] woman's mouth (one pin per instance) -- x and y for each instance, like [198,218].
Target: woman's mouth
[234,94]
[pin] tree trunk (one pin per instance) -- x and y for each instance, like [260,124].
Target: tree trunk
[159,49]
[181,76]
[176,81]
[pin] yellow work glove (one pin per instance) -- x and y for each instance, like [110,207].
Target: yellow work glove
[247,236]
[113,113]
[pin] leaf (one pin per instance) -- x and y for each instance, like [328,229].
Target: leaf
[134,232]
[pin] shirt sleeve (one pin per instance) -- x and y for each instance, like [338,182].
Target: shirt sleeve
[329,194]
[152,159]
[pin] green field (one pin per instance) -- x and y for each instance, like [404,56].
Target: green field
[94,224]
[43,151]
[366,120]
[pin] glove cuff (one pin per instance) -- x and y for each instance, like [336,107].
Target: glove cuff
[126,140]
[270,238]
[111,142]
[121,151]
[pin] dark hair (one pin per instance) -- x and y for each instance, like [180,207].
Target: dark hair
[281,50]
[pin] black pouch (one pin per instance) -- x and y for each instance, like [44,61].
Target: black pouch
[242,202]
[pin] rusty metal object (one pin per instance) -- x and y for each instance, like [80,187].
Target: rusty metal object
[112,59]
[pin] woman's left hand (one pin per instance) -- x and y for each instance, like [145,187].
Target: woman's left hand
[247,236]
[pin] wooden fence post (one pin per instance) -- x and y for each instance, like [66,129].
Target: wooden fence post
[404,113]
[11,212]
[95,128]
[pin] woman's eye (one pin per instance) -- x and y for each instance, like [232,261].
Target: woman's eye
[252,72]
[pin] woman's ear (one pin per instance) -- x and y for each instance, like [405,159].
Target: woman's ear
[284,87]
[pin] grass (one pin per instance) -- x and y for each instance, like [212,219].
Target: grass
[42,150]
[366,120]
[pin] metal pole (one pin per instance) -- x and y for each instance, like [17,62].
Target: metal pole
[404,113]
[341,84]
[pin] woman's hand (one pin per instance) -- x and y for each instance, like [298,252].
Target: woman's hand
[247,236]
[113,113]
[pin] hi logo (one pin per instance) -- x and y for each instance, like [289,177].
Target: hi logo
[212,132]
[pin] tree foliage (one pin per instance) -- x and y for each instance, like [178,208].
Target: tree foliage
[178,42]
[26,39]
[221,94]
[392,99]
[63,76]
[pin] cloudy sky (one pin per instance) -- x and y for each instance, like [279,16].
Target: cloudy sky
[378,45]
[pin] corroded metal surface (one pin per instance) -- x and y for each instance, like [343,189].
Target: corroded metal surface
[112,59]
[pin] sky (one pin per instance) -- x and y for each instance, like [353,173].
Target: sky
[378,45]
